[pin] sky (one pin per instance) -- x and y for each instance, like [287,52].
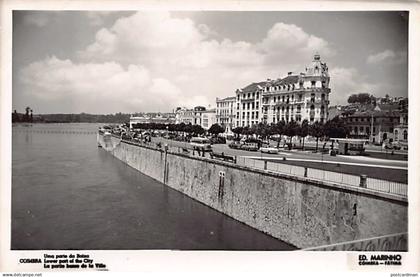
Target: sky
[109,62]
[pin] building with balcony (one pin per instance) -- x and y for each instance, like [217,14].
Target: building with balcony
[225,113]
[377,126]
[168,118]
[295,97]
[208,118]
[199,115]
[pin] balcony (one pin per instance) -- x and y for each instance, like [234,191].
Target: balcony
[312,114]
[248,99]
[297,89]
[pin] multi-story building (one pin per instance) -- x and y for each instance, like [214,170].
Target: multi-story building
[379,123]
[208,118]
[152,118]
[225,112]
[199,115]
[377,126]
[189,116]
[296,97]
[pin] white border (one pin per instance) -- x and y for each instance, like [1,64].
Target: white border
[211,261]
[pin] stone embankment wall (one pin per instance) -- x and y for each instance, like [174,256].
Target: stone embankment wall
[301,212]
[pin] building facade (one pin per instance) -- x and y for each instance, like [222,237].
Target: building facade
[199,115]
[152,118]
[208,118]
[296,97]
[226,113]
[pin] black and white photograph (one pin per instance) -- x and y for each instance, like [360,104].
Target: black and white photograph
[203,130]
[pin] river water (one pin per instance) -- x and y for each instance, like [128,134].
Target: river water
[69,194]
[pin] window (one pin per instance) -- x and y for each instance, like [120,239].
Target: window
[405,135]
[256,104]
[256,115]
[313,84]
[253,105]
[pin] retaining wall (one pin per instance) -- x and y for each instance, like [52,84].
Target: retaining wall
[296,210]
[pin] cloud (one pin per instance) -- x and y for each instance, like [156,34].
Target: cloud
[290,44]
[96,84]
[388,57]
[176,61]
[347,81]
[38,19]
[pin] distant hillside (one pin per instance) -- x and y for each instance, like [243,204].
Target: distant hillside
[73,118]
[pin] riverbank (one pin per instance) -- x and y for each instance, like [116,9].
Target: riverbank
[302,212]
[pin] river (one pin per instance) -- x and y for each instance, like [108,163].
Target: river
[69,194]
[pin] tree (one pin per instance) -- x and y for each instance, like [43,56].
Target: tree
[26,116]
[262,130]
[336,128]
[197,129]
[361,98]
[316,130]
[291,130]
[303,131]
[216,129]
[237,131]
[278,129]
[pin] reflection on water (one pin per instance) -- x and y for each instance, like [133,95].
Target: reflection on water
[69,194]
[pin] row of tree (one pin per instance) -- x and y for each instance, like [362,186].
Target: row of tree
[26,117]
[182,127]
[334,128]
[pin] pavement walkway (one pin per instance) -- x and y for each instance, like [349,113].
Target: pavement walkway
[328,162]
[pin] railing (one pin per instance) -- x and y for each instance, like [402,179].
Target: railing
[394,242]
[329,176]
[363,181]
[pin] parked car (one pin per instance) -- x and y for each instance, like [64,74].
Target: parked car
[393,146]
[234,145]
[249,147]
[218,140]
[269,150]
